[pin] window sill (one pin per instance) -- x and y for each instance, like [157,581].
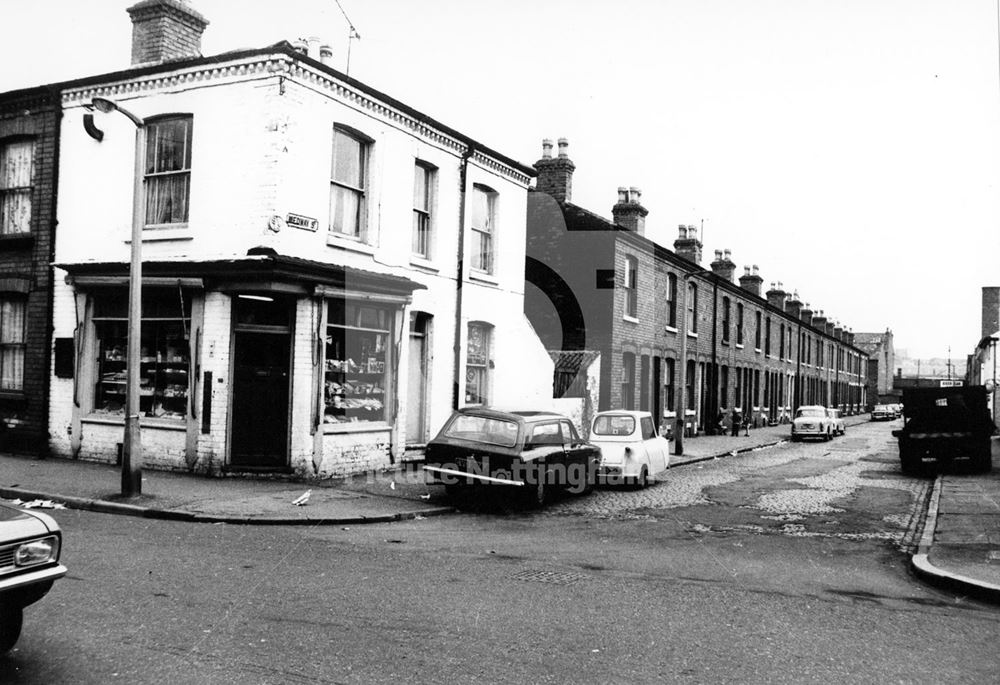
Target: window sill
[144,421]
[356,427]
[153,235]
[13,397]
[670,329]
[347,243]
[739,346]
[12,240]
[423,264]
[757,350]
[692,335]
[630,319]
[483,277]
[726,343]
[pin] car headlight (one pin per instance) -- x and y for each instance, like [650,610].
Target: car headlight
[37,552]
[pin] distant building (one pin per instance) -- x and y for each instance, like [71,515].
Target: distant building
[881,365]
[982,369]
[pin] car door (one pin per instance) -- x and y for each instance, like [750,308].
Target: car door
[653,444]
[578,451]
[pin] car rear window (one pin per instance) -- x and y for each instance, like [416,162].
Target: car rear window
[483,429]
[810,413]
[614,425]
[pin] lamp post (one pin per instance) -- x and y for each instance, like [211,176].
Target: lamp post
[131,475]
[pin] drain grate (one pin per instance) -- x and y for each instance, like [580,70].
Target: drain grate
[552,577]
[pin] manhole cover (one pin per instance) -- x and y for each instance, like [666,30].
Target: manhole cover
[554,577]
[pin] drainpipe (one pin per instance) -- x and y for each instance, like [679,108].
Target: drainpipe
[713,374]
[680,395]
[797,396]
[459,278]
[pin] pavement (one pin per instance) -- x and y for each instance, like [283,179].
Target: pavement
[959,549]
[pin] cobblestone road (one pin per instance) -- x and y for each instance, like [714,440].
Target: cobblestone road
[850,488]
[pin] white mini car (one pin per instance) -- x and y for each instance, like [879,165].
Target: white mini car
[631,449]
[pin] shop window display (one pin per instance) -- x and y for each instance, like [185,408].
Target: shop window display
[357,373]
[164,354]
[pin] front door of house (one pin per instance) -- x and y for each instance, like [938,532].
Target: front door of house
[417,381]
[262,339]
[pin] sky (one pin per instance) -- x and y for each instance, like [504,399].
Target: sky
[849,148]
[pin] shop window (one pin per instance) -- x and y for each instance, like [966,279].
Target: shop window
[164,353]
[358,374]
[478,362]
[12,342]
[423,195]
[168,171]
[484,209]
[348,183]
[16,165]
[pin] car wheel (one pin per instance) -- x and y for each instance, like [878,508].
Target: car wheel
[457,493]
[10,627]
[642,480]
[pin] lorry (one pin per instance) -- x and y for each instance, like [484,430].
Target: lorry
[943,424]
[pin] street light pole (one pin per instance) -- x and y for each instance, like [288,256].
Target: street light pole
[131,475]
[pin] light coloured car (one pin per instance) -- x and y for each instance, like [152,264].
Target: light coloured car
[839,427]
[883,412]
[812,421]
[631,448]
[30,543]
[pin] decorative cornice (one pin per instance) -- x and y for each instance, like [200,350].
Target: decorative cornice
[283,65]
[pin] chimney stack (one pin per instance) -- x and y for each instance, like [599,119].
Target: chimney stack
[838,331]
[793,305]
[555,175]
[806,314]
[991,310]
[819,321]
[751,280]
[165,30]
[687,244]
[849,334]
[776,296]
[724,265]
[628,212]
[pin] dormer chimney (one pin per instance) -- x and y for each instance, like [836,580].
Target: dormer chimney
[687,244]
[165,30]
[555,175]
[628,212]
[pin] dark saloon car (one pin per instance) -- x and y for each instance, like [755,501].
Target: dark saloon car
[29,564]
[527,452]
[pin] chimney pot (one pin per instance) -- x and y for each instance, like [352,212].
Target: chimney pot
[746,270]
[313,43]
[754,269]
[547,148]
[718,255]
[563,151]
[727,254]
[326,54]
[635,195]
[301,46]
[622,194]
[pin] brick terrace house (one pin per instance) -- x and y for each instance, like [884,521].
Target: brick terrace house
[603,286]
[881,362]
[327,272]
[29,138]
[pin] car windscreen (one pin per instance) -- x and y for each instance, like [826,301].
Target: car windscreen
[614,424]
[483,429]
[810,413]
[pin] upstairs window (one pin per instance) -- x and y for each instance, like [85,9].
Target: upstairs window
[423,188]
[16,175]
[484,209]
[725,319]
[672,300]
[757,330]
[631,287]
[692,308]
[167,177]
[767,336]
[781,342]
[12,342]
[739,323]
[348,183]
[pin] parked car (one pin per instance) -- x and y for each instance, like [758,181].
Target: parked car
[528,452]
[812,421]
[883,412]
[631,449]
[30,543]
[839,427]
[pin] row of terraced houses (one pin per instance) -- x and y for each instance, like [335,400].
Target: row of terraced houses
[328,273]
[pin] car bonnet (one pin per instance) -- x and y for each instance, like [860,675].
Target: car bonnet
[16,524]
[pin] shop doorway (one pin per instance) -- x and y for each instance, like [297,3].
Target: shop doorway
[262,338]
[418,381]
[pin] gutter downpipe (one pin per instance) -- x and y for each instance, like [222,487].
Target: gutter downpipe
[797,397]
[680,396]
[713,374]
[460,276]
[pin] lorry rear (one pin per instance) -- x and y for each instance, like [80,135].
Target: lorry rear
[943,424]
